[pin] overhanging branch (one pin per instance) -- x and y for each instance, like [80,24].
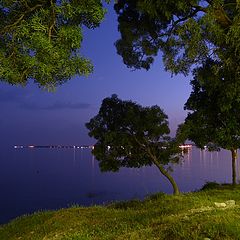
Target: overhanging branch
[17,21]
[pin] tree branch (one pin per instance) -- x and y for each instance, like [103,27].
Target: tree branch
[24,75]
[222,18]
[53,21]
[162,169]
[175,23]
[4,30]
[197,9]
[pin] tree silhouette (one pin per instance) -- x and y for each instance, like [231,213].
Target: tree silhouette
[214,106]
[129,135]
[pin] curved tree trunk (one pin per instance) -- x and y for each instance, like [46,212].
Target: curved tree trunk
[168,176]
[234,159]
[161,168]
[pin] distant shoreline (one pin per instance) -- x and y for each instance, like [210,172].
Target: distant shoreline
[183,146]
[54,146]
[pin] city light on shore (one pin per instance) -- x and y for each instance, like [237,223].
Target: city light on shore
[183,146]
[54,146]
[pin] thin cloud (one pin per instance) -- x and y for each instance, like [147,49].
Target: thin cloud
[25,100]
[56,106]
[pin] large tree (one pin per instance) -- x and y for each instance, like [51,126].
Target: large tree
[40,39]
[214,106]
[200,34]
[129,135]
[186,32]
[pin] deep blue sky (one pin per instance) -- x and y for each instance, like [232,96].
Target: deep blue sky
[29,115]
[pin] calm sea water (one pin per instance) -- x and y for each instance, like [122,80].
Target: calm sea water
[39,179]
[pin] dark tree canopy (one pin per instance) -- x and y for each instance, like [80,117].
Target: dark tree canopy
[187,32]
[40,39]
[214,106]
[129,135]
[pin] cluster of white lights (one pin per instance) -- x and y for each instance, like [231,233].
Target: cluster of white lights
[53,146]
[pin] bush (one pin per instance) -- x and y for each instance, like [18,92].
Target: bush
[210,185]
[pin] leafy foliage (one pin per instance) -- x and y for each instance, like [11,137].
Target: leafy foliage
[210,185]
[129,135]
[186,32]
[214,103]
[40,40]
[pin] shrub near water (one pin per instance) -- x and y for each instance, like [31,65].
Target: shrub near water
[160,216]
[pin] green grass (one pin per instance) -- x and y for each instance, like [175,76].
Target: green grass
[187,216]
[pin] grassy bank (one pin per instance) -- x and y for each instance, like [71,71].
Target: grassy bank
[188,216]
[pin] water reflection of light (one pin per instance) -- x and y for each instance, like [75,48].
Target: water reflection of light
[203,158]
[74,156]
[238,168]
[93,161]
[186,152]
[217,158]
[211,156]
[93,172]
[185,161]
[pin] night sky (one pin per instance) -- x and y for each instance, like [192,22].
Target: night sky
[29,115]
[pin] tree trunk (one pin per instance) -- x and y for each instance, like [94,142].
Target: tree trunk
[161,168]
[234,159]
[168,176]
